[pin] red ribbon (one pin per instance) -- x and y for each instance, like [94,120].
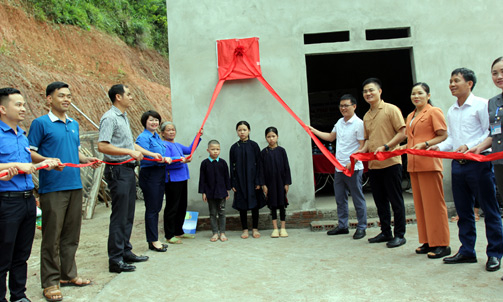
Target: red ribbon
[437,154]
[71,165]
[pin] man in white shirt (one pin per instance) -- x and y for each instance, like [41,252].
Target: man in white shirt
[349,134]
[468,124]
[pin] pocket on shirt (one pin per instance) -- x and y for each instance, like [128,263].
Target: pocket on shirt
[8,152]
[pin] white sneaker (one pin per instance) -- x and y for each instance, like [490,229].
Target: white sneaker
[275,233]
[283,233]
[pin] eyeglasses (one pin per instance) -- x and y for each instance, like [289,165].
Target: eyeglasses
[345,106]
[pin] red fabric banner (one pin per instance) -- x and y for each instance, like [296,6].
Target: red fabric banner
[231,65]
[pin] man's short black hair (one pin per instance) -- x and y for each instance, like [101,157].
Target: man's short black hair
[147,114]
[115,90]
[55,86]
[6,92]
[372,81]
[348,97]
[467,74]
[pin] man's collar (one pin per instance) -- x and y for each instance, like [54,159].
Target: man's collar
[350,120]
[118,111]
[469,101]
[6,128]
[54,118]
[212,160]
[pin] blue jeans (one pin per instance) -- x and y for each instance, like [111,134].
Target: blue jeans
[342,184]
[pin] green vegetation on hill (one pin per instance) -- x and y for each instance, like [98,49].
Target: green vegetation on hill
[141,23]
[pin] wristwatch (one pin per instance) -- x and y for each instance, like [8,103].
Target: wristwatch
[386,147]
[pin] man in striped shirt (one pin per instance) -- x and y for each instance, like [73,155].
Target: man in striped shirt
[117,144]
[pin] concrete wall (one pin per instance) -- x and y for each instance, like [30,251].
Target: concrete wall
[444,36]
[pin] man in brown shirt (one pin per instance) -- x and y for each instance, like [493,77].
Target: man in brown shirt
[384,129]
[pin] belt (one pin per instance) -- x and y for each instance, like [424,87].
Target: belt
[22,194]
[462,161]
[127,165]
[465,161]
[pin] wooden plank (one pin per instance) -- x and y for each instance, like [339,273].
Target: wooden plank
[93,194]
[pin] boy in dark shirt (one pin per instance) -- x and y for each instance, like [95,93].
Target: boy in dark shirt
[214,184]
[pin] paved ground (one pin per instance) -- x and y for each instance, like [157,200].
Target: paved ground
[304,267]
[307,266]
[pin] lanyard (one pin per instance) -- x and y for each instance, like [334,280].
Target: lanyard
[497,110]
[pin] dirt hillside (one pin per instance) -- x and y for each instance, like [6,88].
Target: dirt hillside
[34,54]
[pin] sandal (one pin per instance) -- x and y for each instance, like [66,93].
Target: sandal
[51,292]
[283,233]
[423,249]
[187,236]
[454,218]
[77,281]
[175,240]
[255,234]
[223,237]
[214,238]
[245,234]
[275,233]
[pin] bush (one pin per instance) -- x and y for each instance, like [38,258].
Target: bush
[138,23]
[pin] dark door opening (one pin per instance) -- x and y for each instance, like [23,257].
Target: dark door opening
[330,76]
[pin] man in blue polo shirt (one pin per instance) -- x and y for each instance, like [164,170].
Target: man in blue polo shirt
[56,136]
[17,204]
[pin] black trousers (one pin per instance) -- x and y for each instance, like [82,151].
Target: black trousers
[17,229]
[244,218]
[176,208]
[386,187]
[282,213]
[122,184]
[152,185]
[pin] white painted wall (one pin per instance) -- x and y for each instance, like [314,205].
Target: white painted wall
[444,35]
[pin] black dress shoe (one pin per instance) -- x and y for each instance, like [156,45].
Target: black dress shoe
[134,258]
[423,249]
[119,267]
[396,242]
[359,234]
[460,258]
[380,238]
[439,252]
[157,249]
[338,231]
[493,264]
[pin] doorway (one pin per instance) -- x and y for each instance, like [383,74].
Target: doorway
[330,76]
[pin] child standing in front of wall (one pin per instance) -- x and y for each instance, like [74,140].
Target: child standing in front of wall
[275,180]
[245,182]
[214,184]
